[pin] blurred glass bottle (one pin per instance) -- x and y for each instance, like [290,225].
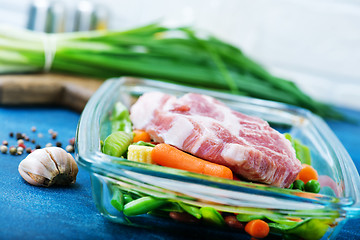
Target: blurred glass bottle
[89,16]
[52,16]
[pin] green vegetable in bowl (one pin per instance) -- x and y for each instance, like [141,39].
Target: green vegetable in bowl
[309,229]
[120,119]
[298,184]
[142,205]
[312,186]
[248,217]
[301,150]
[117,200]
[192,210]
[212,217]
[116,144]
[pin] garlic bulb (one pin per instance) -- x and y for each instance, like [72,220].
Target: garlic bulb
[48,166]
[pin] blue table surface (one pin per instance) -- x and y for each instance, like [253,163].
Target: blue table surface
[69,212]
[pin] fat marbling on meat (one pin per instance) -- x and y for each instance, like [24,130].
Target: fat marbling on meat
[207,128]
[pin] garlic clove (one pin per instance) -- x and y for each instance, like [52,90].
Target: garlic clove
[38,168]
[48,166]
[59,156]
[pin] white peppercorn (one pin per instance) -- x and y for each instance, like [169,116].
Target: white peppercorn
[48,145]
[69,148]
[3,148]
[20,149]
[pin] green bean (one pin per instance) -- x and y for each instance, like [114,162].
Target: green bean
[194,211]
[128,198]
[142,205]
[117,200]
[171,207]
[248,217]
[211,216]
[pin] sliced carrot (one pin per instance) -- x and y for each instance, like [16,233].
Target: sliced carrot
[295,219]
[169,156]
[257,228]
[307,173]
[141,135]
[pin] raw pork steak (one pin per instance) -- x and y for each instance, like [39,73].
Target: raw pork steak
[206,128]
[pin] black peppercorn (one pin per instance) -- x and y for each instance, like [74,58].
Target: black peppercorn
[54,135]
[19,136]
[11,134]
[37,146]
[58,144]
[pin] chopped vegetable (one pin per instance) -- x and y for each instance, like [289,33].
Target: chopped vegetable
[212,217]
[117,200]
[312,186]
[307,173]
[248,217]
[117,143]
[302,151]
[309,229]
[257,228]
[140,154]
[141,135]
[195,211]
[127,198]
[120,120]
[299,184]
[166,155]
[142,205]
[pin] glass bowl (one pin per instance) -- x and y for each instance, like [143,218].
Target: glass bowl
[337,201]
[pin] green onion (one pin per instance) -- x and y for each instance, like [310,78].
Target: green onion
[211,216]
[142,205]
[176,55]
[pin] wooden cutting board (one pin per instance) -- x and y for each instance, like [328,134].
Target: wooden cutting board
[47,89]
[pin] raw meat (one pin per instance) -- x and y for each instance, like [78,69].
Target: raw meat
[206,128]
